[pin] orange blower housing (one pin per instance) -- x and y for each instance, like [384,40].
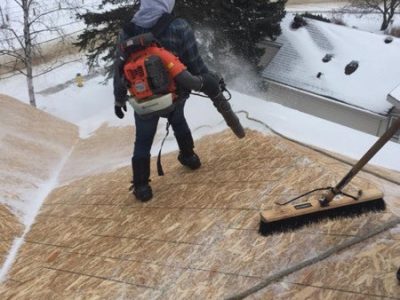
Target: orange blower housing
[150,72]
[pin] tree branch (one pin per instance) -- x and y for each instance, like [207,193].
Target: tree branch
[48,13]
[18,3]
[28,3]
[16,36]
[13,54]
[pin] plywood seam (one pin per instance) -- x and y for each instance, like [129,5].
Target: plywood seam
[47,244]
[148,262]
[205,170]
[121,259]
[101,278]
[149,240]
[172,208]
[75,217]
[224,273]
[305,232]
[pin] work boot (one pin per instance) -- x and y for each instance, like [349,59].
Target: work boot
[187,156]
[225,109]
[141,173]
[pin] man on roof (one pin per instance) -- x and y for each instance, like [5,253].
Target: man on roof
[176,36]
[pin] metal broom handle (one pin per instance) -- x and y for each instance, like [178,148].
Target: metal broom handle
[362,162]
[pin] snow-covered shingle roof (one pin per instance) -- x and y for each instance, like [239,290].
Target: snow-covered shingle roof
[300,60]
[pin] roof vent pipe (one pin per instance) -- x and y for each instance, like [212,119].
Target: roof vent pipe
[298,22]
[388,40]
[327,58]
[351,67]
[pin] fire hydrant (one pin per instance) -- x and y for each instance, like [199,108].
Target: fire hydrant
[79,80]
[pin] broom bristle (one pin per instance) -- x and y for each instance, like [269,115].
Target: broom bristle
[288,224]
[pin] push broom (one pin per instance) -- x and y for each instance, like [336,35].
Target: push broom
[333,202]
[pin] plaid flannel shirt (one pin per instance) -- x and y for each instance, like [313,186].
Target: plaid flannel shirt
[178,38]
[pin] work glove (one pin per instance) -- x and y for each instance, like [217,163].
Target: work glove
[210,85]
[119,108]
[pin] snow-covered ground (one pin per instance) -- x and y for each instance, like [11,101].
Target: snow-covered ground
[368,22]
[91,106]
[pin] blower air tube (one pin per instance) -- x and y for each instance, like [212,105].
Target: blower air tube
[189,82]
[206,83]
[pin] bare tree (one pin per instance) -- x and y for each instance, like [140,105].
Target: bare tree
[38,19]
[387,8]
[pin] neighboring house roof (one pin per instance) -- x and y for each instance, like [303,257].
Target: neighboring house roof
[300,60]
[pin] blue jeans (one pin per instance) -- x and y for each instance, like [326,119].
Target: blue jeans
[146,130]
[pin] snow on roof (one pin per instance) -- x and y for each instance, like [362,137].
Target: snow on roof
[299,61]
